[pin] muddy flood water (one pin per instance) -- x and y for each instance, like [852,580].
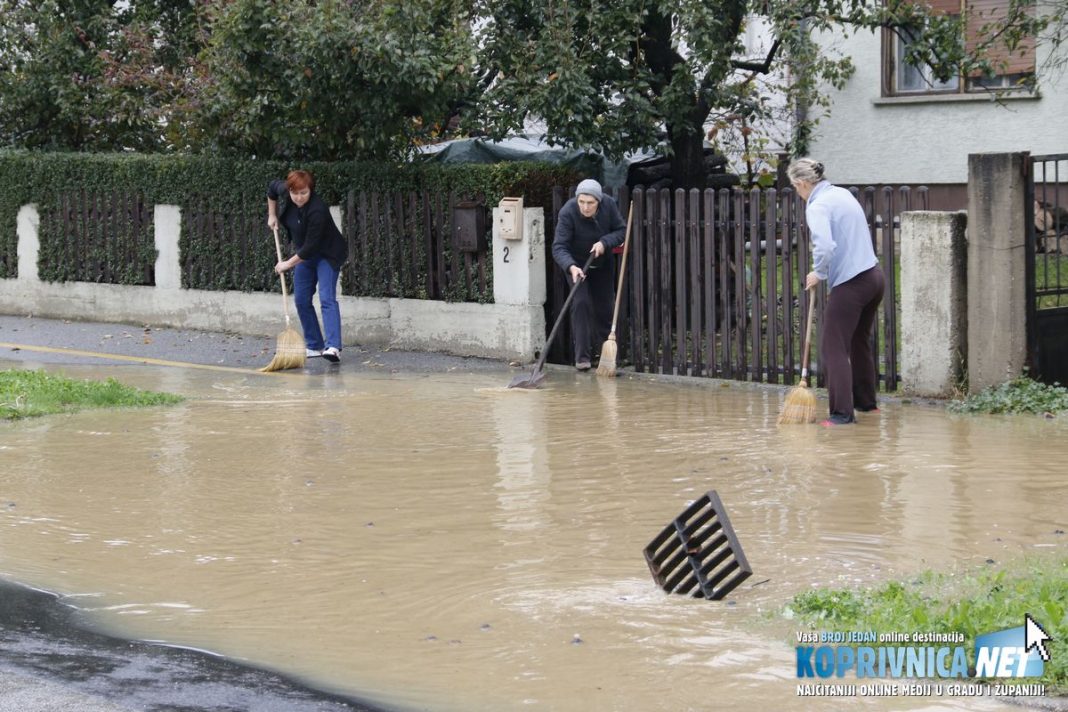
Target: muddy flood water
[438,542]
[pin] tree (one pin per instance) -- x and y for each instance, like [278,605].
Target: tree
[333,79]
[634,74]
[342,79]
[53,91]
[304,79]
[151,72]
[69,69]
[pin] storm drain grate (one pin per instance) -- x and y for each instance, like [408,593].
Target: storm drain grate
[698,552]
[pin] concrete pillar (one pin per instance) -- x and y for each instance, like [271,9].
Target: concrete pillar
[934,303]
[519,265]
[997,301]
[27,227]
[168,228]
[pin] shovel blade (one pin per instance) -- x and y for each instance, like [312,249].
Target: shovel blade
[530,381]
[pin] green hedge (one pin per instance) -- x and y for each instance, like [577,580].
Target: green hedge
[227,246]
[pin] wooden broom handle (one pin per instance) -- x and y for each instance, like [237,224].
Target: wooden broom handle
[623,267]
[285,293]
[808,331]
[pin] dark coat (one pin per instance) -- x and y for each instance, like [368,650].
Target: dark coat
[311,228]
[576,234]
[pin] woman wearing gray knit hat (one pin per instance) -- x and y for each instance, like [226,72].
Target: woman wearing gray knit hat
[589,222]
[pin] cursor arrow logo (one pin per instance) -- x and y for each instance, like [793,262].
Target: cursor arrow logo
[1035,637]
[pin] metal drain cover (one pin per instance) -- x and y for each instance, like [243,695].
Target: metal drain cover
[698,552]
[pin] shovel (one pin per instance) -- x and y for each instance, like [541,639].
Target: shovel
[537,375]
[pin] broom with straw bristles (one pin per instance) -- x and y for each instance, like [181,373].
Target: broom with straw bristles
[800,405]
[607,366]
[290,350]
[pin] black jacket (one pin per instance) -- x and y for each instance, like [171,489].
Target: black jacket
[576,234]
[311,228]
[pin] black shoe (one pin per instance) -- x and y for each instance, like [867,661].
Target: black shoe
[332,355]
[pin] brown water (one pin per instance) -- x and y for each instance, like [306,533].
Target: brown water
[439,542]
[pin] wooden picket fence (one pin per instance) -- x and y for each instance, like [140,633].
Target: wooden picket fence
[714,284]
[93,236]
[713,287]
[400,246]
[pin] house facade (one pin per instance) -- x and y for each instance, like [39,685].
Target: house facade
[893,124]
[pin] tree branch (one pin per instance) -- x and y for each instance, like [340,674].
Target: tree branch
[759,67]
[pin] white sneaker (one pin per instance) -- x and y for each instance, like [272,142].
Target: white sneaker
[332,354]
[312,353]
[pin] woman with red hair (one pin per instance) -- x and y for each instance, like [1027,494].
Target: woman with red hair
[320,252]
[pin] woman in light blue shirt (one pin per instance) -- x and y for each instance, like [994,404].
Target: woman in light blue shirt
[842,255]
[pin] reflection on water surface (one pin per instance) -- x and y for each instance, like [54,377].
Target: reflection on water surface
[441,542]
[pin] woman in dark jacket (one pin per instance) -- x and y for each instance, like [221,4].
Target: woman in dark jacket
[589,223]
[320,252]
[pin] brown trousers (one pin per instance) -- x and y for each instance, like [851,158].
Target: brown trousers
[846,345]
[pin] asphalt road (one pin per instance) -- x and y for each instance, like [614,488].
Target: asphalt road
[51,661]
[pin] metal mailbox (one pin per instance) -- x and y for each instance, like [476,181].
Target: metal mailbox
[469,226]
[510,219]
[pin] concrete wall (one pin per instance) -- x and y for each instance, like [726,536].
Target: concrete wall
[923,140]
[963,293]
[997,294]
[513,329]
[934,303]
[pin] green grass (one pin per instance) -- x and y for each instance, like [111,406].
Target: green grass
[27,394]
[1020,395]
[985,601]
[1051,272]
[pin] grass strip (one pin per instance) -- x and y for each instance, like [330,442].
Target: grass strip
[28,394]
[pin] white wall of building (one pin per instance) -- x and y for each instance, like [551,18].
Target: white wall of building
[869,139]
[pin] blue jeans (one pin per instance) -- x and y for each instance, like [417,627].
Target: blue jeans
[306,275]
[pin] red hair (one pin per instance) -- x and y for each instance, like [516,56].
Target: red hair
[297,181]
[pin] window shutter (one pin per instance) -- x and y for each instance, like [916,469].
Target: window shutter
[993,12]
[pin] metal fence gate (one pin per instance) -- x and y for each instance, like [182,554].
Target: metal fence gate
[1047,268]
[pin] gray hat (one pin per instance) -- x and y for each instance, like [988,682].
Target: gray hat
[590,187]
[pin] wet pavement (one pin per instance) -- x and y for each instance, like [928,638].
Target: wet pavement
[49,659]
[56,341]
[435,541]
